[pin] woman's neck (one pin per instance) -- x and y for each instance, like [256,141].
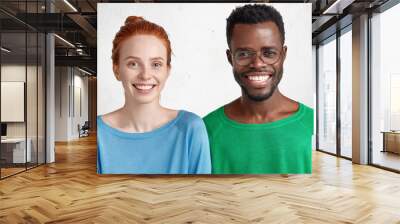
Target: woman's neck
[143,117]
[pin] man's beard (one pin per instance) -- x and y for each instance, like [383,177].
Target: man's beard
[259,97]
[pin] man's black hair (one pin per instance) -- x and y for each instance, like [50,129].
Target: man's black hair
[253,14]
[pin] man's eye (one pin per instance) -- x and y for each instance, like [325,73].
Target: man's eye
[243,54]
[269,54]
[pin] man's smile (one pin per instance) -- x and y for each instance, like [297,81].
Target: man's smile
[257,79]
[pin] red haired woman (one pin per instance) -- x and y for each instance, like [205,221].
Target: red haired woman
[144,137]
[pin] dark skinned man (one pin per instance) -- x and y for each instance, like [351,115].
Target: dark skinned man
[263,131]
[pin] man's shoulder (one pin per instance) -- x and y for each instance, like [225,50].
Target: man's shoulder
[306,107]
[307,117]
[213,115]
[308,111]
[213,121]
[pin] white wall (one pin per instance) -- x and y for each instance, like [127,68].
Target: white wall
[69,79]
[201,78]
[80,83]
[61,103]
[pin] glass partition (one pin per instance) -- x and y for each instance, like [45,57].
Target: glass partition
[13,103]
[22,77]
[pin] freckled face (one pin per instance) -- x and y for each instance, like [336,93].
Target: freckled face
[142,68]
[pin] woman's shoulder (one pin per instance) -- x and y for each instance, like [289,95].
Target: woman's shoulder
[190,119]
[190,116]
[110,119]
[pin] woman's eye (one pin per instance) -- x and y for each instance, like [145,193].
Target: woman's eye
[133,64]
[157,65]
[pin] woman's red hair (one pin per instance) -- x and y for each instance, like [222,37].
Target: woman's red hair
[135,25]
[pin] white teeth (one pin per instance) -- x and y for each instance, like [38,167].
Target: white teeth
[144,87]
[258,78]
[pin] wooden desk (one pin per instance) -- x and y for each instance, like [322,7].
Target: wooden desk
[391,141]
[16,147]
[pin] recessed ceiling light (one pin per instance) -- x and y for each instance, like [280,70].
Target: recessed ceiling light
[64,40]
[70,5]
[338,6]
[5,50]
[84,71]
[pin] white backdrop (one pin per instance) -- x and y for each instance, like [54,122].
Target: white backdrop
[201,78]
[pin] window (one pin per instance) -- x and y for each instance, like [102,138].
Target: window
[385,88]
[327,96]
[346,93]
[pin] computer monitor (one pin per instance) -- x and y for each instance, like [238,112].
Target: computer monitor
[3,129]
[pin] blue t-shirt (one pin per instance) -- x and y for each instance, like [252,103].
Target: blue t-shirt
[179,147]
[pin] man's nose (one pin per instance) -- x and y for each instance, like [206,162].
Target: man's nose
[257,62]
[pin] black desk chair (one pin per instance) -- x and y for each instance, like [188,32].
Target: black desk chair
[84,130]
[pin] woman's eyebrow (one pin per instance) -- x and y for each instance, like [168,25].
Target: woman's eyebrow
[134,57]
[131,57]
[158,58]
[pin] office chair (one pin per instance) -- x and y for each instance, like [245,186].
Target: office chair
[84,130]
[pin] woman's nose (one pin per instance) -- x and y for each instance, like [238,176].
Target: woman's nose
[144,74]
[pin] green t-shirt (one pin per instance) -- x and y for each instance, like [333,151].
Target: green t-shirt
[282,146]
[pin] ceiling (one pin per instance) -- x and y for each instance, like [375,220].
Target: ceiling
[76,22]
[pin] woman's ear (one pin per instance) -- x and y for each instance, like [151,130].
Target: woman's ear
[116,72]
[168,70]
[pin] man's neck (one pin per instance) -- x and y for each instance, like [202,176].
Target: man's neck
[245,110]
[262,108]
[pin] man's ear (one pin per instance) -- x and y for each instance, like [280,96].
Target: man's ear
[228,56]
[284,53]
[116,72]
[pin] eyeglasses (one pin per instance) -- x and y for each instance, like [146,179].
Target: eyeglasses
[268,56]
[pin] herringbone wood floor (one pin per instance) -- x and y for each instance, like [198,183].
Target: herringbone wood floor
[70,191]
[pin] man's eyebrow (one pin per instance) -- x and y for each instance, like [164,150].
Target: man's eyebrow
[244,49]
[269,48]
[250,49]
